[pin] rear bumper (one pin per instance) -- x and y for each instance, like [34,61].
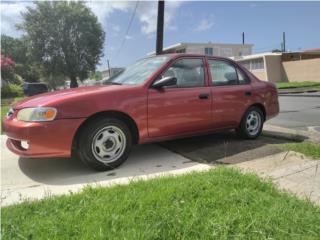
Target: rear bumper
[45,139]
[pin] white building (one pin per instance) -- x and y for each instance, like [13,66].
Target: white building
[211,49]
[287,66]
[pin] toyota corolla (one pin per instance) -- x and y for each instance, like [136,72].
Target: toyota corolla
[157,98]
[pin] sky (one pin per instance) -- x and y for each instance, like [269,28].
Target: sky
[191,21]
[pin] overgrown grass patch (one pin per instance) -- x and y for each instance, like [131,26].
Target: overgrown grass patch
[218,204]
[285,85]
[307,148]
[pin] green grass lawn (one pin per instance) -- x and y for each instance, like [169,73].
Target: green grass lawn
[284,85]
[309,149]
[5,106]
[218,204]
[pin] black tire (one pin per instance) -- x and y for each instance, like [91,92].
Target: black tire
[243,130]
[86,150]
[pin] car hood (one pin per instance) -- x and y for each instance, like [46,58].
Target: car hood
[54,98]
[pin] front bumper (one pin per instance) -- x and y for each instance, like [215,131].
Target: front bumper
[45,139]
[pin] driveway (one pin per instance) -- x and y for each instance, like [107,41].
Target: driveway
[36,178]
[224,148]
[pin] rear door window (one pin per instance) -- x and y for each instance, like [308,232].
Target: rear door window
[224,73]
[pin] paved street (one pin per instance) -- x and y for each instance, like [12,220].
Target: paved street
[299,112]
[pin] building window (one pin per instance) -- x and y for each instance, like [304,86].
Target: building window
[226,52]
[208,51]
[257,64]
[254,64]
[246,64]
[182,50]
[243,52]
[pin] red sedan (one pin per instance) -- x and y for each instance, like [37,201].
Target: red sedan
[155,99]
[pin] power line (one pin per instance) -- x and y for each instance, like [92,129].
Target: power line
[128,29]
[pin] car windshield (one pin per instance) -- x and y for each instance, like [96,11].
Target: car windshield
[138,72]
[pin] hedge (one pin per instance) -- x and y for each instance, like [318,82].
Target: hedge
[11,91]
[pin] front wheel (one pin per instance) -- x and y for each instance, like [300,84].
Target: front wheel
[251,124]
[105,144]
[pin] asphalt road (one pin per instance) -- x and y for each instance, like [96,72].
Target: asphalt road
[300,112]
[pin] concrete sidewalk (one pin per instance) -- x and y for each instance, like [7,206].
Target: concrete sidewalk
[290,171]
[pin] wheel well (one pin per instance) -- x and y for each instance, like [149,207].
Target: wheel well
[262,108]
[115,114]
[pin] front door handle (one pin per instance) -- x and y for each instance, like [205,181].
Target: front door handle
[248,93]
[204,96]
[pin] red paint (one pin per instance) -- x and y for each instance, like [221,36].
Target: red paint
[158,114]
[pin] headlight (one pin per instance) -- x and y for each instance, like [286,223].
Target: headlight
[39,114]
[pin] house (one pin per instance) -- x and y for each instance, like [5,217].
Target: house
[284,66]
[211,49]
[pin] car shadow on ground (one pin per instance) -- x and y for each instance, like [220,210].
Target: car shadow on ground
[224,148]
[219,148]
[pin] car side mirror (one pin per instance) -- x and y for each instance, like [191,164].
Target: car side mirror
[164,82]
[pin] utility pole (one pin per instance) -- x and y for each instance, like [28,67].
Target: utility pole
[284,41]
[242,38]
[160,21]
[109,68]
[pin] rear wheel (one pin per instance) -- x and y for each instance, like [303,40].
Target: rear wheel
[105,144]
[251,124]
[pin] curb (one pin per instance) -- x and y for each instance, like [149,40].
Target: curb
[297,90]
[290,134]
[298,95]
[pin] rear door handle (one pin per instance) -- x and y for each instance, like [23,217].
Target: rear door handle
[204,96]
[248,93]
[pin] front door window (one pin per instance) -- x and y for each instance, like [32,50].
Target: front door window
[188,72]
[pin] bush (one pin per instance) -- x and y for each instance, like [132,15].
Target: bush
[11,91]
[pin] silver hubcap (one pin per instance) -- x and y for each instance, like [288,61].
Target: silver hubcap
[108,144]
[253,123]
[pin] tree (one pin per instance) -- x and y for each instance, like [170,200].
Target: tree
[7,68]
[276,50]
[96,75]
[65,37]
[8,74]
[18,49]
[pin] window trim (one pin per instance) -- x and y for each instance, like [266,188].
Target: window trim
[173,61]
[236,67]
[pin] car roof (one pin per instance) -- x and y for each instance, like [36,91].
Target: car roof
[176,55]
